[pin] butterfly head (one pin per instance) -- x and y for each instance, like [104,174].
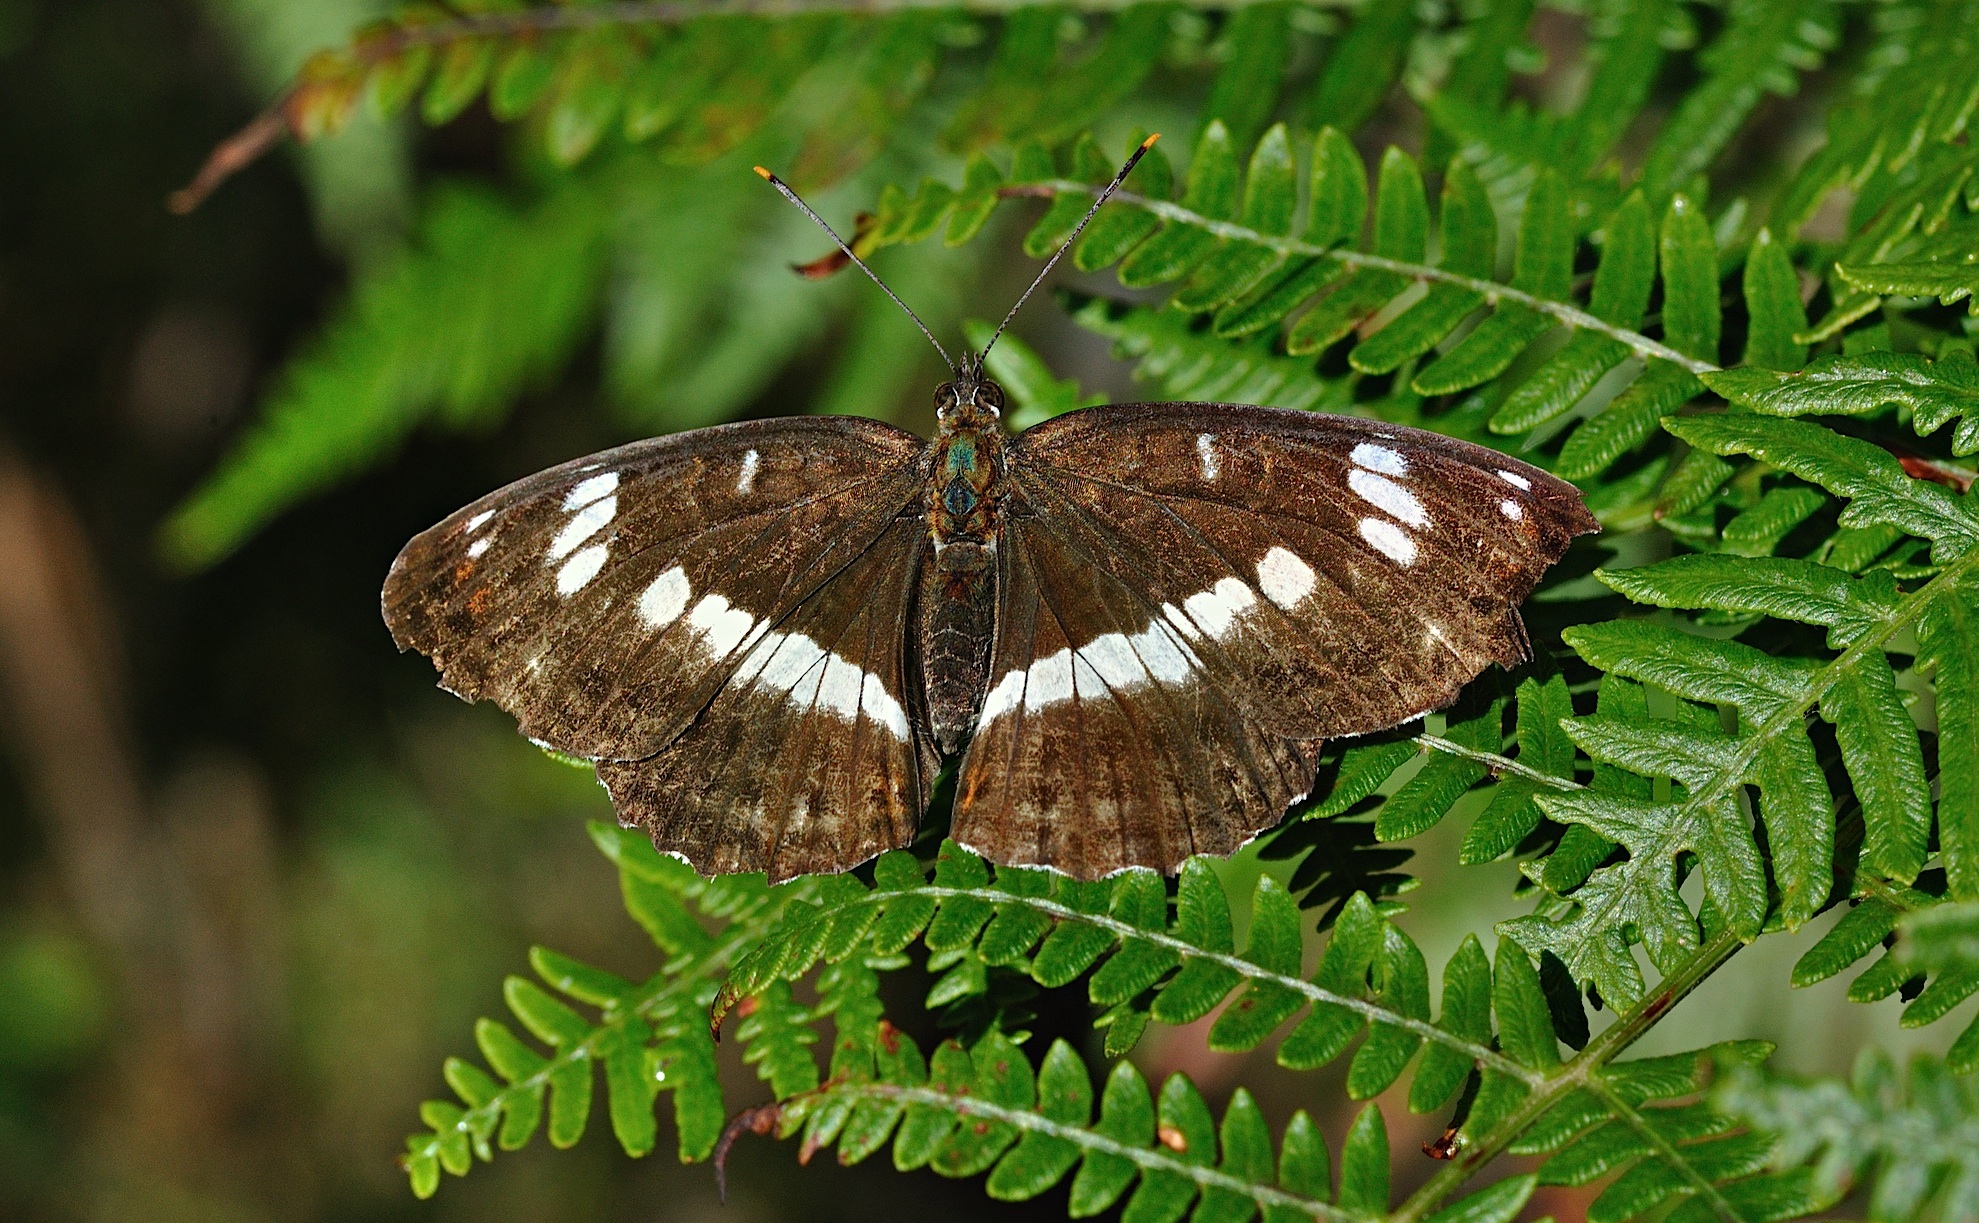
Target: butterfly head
[973,397]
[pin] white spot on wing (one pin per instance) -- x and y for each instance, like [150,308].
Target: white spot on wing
[1284,578]
[578,571]
[1112,660]
[1380,458]
[1004,697]
[723,626]
[590,490]
[840,689]
[1206,453]
[1514,479]
[1108,664]
[479,546]
[475,523]
[1050,681]
[1511,510]
[1215,610]
[1390,540]
[585,523]
[661,603]
[879,705]
[747,480]
[1386,495]
[803,671]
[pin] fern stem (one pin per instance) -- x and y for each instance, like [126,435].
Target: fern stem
[1581,1072]
[1665,1150]
[1492,291]
[1157,1159]
[1484,1055]
[1498,764]
[252,141]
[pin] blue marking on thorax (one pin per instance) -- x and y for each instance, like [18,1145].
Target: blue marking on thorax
[961,457]
[958,499]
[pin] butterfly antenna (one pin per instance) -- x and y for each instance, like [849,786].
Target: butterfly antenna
[792,196]
[1132,161]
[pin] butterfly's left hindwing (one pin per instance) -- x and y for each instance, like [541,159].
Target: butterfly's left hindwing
[1262,579]
[814,756]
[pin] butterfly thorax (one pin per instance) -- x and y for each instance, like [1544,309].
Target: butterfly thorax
[964,496]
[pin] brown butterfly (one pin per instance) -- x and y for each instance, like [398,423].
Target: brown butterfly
[1134,624]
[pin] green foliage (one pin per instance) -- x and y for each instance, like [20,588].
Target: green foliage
[1916,1141]
[1933,393]
[1602,265]
[984,1109]
[648,1037]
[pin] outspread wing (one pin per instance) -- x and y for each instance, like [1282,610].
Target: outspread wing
[814,756]
[1260,580]
[604,602]
[718,619]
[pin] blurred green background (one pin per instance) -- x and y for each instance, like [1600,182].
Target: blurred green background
[257,876]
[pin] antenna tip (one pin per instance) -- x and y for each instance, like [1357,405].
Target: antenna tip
[765,174]
[1149,142]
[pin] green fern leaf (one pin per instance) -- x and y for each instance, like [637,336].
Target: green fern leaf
[1029,1134]
[648,1037]
[511,289]
[1764,47]
[1916,1140]
[1933,392]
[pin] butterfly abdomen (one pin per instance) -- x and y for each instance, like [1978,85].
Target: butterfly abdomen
[957,618]
[958,590]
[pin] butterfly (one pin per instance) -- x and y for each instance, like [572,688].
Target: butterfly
[1134,625]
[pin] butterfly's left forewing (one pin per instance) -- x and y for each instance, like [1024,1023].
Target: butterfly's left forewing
[604,602]
[719,619]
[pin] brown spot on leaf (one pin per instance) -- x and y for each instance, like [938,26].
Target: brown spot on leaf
[1172,1138]
[1444,1147]
[831,262]
[889,1037]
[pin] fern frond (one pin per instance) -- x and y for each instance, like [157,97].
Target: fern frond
[1770,749]
[491,300]
[1918,89]
[1268,303]
[1228,242]
[1936,939]
[648,1037]
[1145,966]
[1512,146]
[1914,1138]
[1765,46]
[1934,393]
[1371,979]
[966,1112]
[1647,1124]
